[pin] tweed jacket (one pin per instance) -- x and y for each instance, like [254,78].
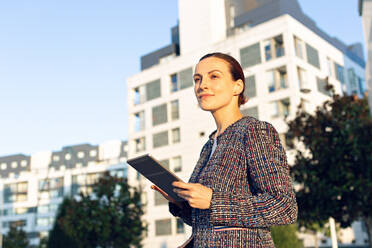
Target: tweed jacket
[252,188]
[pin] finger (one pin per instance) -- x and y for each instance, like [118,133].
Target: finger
[182,185]
[154,187]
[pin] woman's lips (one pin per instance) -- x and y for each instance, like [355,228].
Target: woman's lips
[204,96]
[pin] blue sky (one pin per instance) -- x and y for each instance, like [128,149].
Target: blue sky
[63,64]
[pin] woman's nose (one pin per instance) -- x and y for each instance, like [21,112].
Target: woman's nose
[203,83]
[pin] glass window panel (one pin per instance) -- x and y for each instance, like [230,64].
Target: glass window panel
[140,144]
[279,46]
[160,139]
[270,75]
[165,163]
[159,114]
[174,83]
[175,110]
[177,164]
[302,79]
[180,226]
[250,87]
[153,90]
[312,56]
[250,55]
[267,49]
[163,227]
[299,47]
[159,199]
[176,135]
[322,83]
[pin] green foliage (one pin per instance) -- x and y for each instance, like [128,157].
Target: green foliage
[15,238]
[58,238]
[335,172]
[110,217]
[286,236]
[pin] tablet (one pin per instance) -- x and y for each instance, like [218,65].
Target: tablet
[156,173]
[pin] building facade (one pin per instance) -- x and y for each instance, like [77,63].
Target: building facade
[32,187]
[365,11]
[286,59]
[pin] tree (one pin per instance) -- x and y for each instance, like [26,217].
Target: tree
[110,217]
[334,170]
[58,238]
[286,236]
[15,238]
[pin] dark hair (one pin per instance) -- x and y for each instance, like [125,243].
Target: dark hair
[236,71]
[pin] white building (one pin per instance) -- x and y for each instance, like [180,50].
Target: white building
[365,10]
[286,59]
[32,187]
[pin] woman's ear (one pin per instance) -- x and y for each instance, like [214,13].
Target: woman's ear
[238,87]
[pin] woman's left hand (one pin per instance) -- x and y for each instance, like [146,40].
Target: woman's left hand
[196,194]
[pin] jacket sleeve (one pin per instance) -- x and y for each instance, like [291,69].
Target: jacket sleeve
[184,213]
[273,201]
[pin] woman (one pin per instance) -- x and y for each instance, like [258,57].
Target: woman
[240,186]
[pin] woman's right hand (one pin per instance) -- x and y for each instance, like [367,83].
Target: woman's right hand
[165,195]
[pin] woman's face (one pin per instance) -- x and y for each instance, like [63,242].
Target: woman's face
[214,86]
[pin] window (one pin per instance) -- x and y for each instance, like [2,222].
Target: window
[250,87]
[165,163]
[139,121]
[153,90]
[299,47]
[277,79]
[175,115]
[51,188]
[160,139]
[15,192]
[139,95]
[84,183]
[45,221]
[177,164]
[159,114]
[56,158]
[68,156]
[329,67]
[312,56]
[253,111]
[174,83]
[24,163]
[322,84]
[163,227]
[93,153]
[180,226]
[273,47]
[80,154]
[159,199]
[339,73]
[43,209]
[176,135]
[361,85]
[140,144]
[250,55]
[286,140]
[302,80]
[14,164]
[353,81]
[16,223]
[3,166]
[181,80]
[280,108]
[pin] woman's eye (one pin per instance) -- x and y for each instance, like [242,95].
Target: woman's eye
[196,80]
[214,76]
